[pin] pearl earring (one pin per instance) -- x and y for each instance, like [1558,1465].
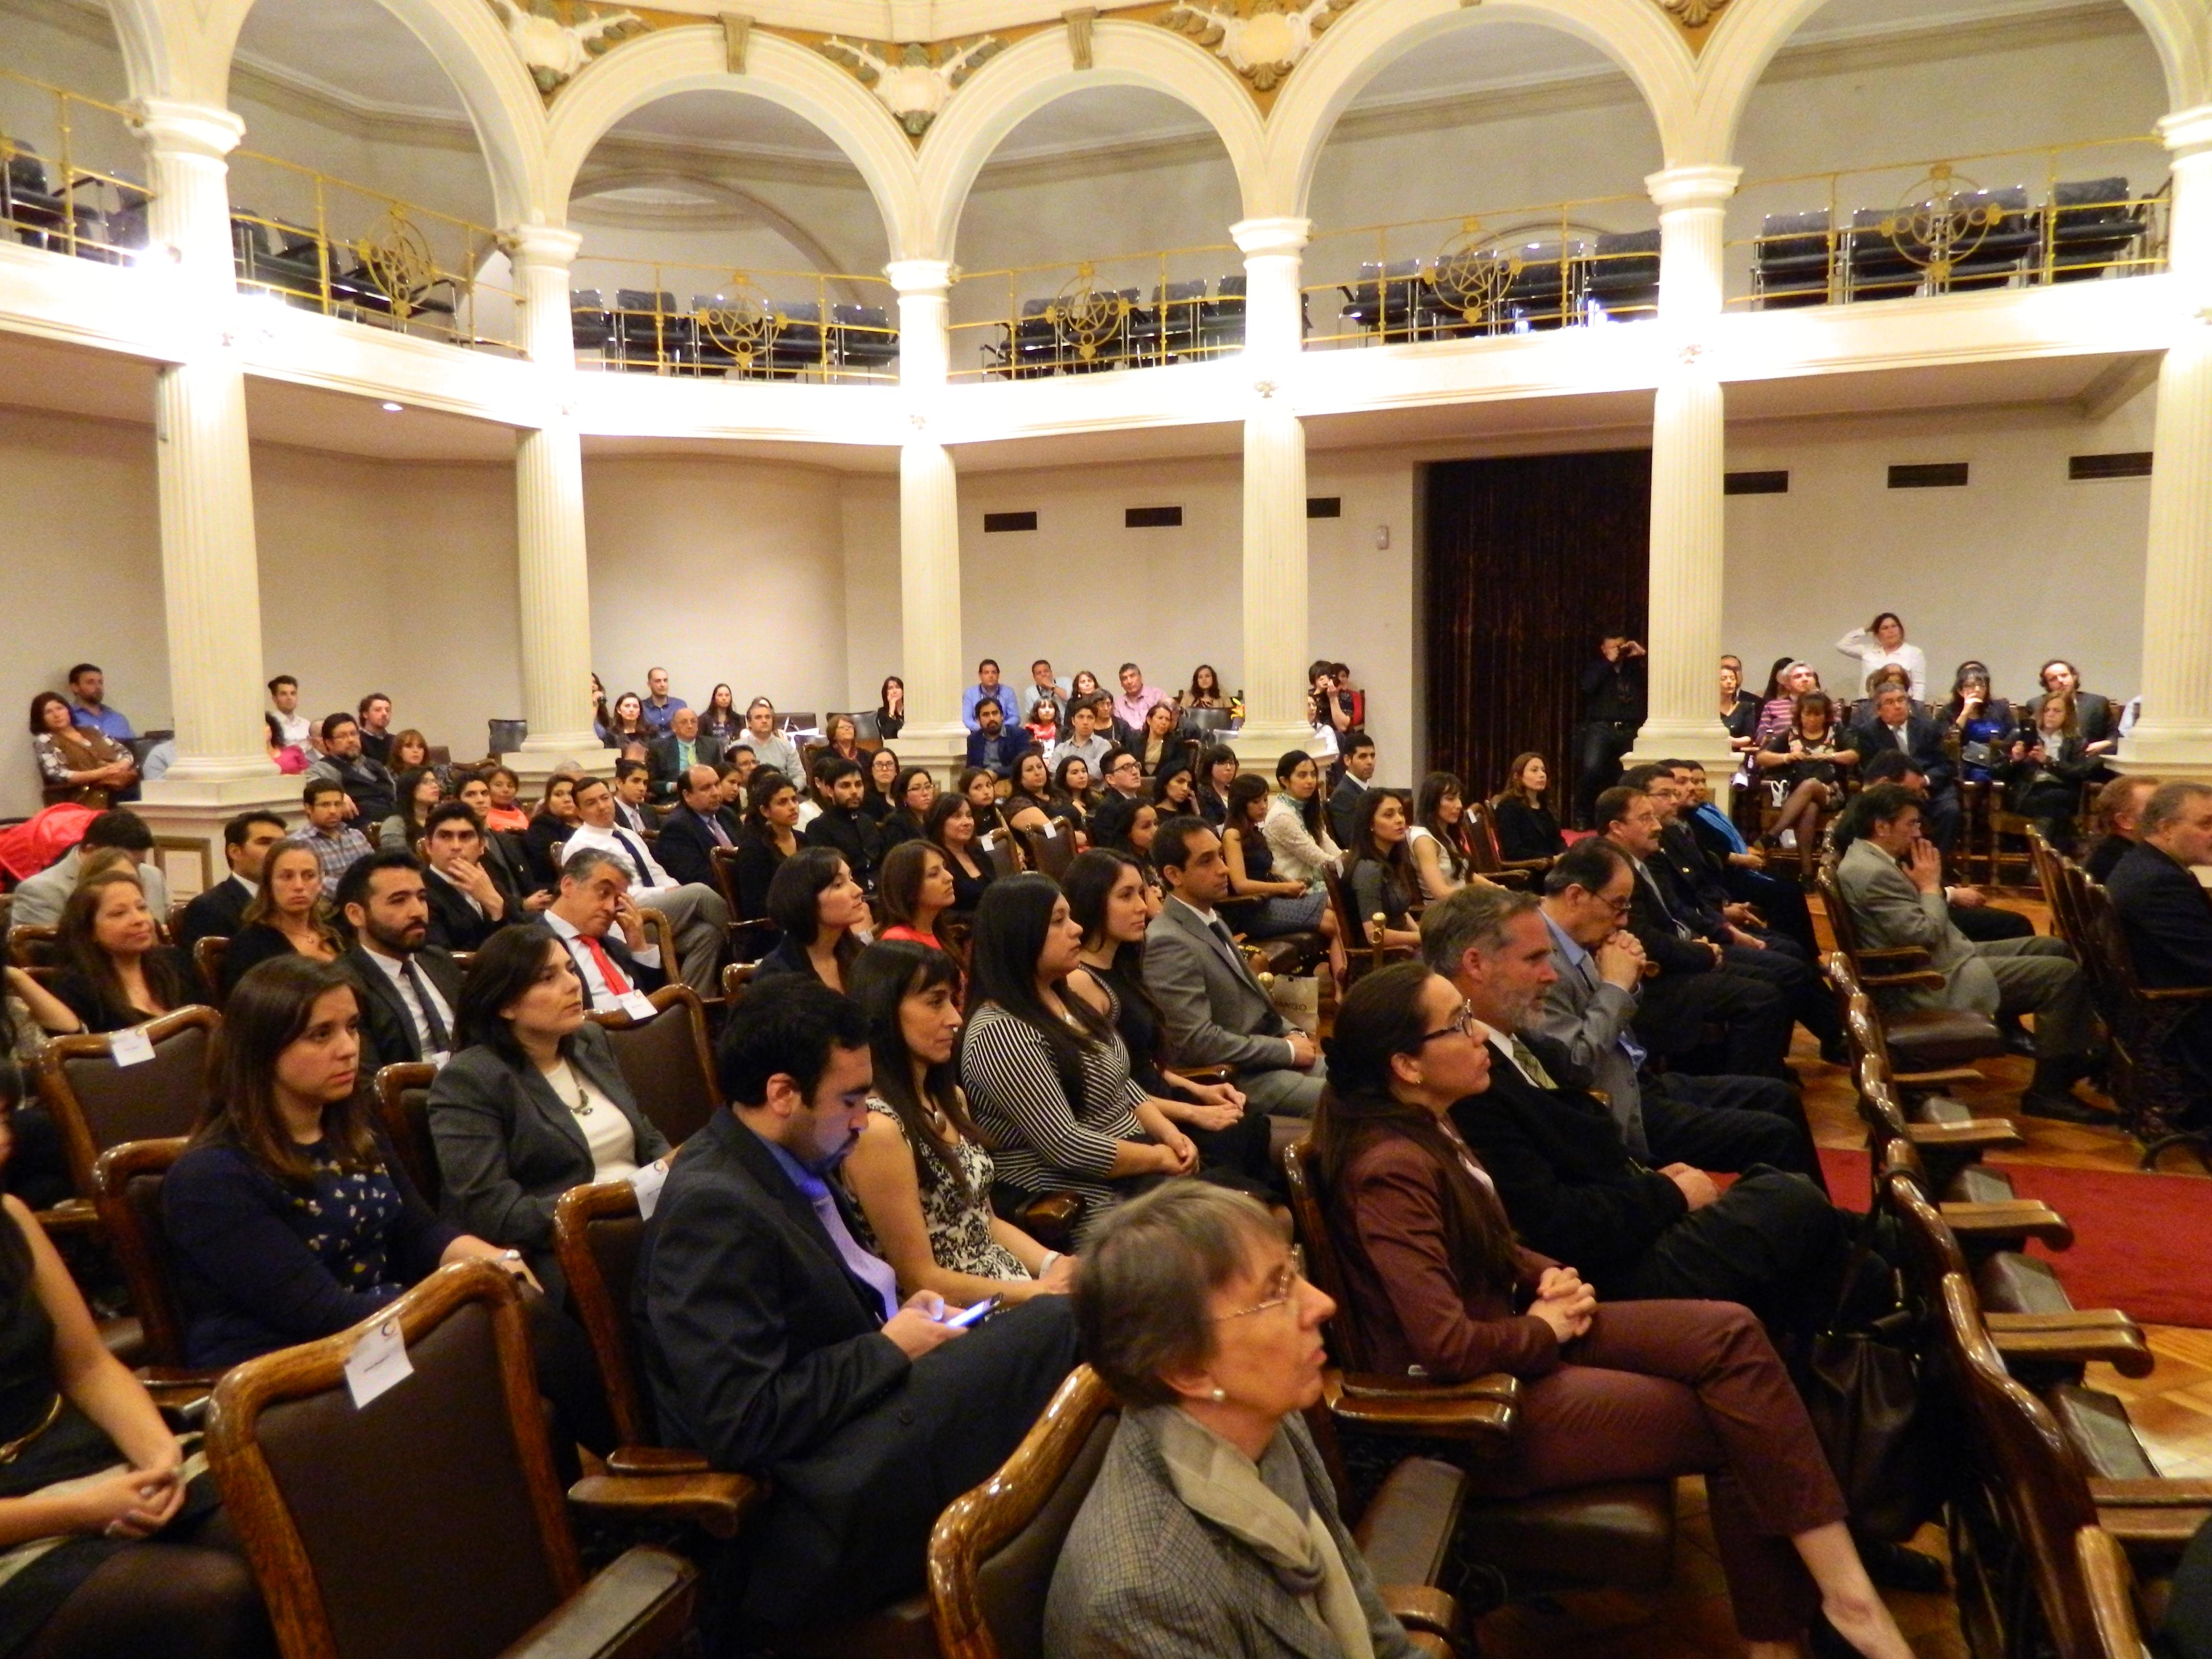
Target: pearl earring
[1220,1395]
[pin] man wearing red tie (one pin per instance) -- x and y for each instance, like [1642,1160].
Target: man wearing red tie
[698,917]
[603,931]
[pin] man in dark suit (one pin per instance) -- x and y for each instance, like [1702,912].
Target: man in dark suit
[2163,908]
[994,746]
[1771,1242]
[691,832]
[633,784]
[1344,799]
[409,988]
[776,1345]
[2093,714]
[219,912]
[470,896]
[677,752]
[1894,726]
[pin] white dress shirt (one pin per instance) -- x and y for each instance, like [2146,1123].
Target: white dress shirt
[432,1051]
[626,845]
[597,994]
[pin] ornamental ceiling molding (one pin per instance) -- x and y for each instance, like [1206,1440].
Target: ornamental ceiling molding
[913,80]
[1263,40]
[1695,18]
[557,38]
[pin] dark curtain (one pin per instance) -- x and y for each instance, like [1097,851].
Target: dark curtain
[1529,560]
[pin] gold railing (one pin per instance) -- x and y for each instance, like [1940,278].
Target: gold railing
[310,239]
[659,317]
[1129,311]
[65,165]
[2015,218]
[1502,271]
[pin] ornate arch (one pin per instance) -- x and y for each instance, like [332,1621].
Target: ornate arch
[1023,79]
[670,61]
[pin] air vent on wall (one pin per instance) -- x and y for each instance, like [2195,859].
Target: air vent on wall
[1152,518]
[1324,506]
[2128,464]
[1757,483]
[1929,475]
[995,521]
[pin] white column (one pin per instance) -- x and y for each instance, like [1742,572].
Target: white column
[1688,451]
[2175,735]
[1276,642]
[210,579]
[933,657]
[554,571]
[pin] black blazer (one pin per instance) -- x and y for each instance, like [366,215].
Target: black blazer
[538,846]
[1924,744]
[1562,1169]
[2093,712]
[856,836]
[1526,831]
[84,999]
[1649,921]
[758,860]
[251,946]
[388,1036]
[662,766]
[685,846]
[216,913]
[1343,806]
[456,924]
[2168,920]
[508,1145]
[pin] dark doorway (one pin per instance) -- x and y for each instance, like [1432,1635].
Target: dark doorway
[1527,559]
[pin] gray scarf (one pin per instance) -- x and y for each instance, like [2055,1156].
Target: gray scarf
[1218,1483]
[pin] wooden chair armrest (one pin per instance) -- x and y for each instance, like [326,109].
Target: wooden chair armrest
[1926,978]
[1937,1080]
[1534,867]
[1976,1132]
[71,1215]
[2150,1494]
[2124,1350]
[1901,956]
[1050,1219]
[716,1502]
[641,1605]
[2064,1319]
[1501,1386]
[2149,1525]
[1207,1073]
[1479,1419]
[1423,1607]
[2176,993]
[1430,1645]
[656,1460]
[2002,1224]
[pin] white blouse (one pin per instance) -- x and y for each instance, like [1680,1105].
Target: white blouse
[1871,654]
[606,1131]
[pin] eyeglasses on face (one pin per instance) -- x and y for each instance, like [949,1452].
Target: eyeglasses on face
[1466,1026]
[1282,1286]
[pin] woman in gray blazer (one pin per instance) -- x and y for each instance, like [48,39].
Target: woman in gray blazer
[1212,1531]
[532,1103]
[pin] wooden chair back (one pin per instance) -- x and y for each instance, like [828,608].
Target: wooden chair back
[1050,855]
[736,976]
[666,1062]
[208,955]
[126,1189]
[1004,859]
[991,1553]
[1362,954]
[403,1107]
[598,1235]
[1487,857]
[722,861]
[1310,1226]
[660,935]
[2108,1580]
[34,946]
[96,1103]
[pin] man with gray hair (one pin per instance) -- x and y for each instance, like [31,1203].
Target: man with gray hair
[2162,906]
[1564,1174]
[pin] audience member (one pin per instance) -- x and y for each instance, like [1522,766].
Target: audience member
[776,1346]
[1028,805]
[880,796]
[1084,741]
[39,899]
[987,688]
[770,747]
[417,793]
[603,930]
[219,912]
[288,917]
[913,890]
[1158,746]
[891,709]
[660,709]
[918,1175]
[76,764]
[1739,709]
[504,815]
[1212,1525]
[1084,684]
[1742,867]
[409,988]
[2162,907]
[370,795]
[1136,702]
[633,784]
[1983,724]
[1971,913]
[1357,751]
[693,829]
[1175,789]
[950,828]
[532,1103]
[843,826]
[1044,724]
[1893,880]
[913,791]
[410,751]
[1525,826]
[1213,1011]
[1296,828]
[374,711]
[336,844]
[1897,725]
[287,727]
[823,912]
[1216,767]
[1804,767]
[1882,642]
[720,723]
[840,736]
[2119,816]
[1613,700]
[1379,881]
[1123,774]
[698,917]
[2046,768]
[1128,827]
[1047,1075]
[1258,904]
[771,836]
[2096,722]
[89,705]
[1437,843]
[676,753]
[628,730]
[1334,707]
[468,895]
[115,970]
[992,744]
[1042,688]
[1623,1391]
[1204,691]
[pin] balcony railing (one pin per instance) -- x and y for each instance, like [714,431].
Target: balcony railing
[1504,271]
[1132,311]
[2019,218]
[66,182]
[721,323]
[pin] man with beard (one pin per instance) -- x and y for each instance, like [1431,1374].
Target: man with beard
[409,988]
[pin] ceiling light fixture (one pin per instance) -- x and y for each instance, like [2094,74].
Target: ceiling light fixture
[394,408]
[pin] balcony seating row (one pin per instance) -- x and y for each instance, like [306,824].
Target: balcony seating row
[646,330]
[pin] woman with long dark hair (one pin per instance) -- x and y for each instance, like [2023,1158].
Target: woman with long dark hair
[286,916]
[115,972]
[950,828]
[1262,905]
[1047,1075]
[913,791]
[913,890]
[1296,827]
[1073,801]
[1438,1286]
[1804,767]
[1378,876]
[1526,828]
[1206,690]
[770,836]
[1984,724]
[1217,768]
[878,798]
[1031,794]
[890,708]
[1438,842]
[919,1171]
[1175,789]
[554,820]
[417,791]
[626,729]
[820,908]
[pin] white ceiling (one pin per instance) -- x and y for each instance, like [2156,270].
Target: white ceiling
[353,47]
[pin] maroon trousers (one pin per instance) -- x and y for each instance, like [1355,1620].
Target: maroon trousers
[1655,1390]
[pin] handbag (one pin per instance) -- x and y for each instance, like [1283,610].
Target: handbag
[1977,754]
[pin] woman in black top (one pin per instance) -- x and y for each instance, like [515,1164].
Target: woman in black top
[117,972]
[1107,897]
[1032,790]
[979,786]
[1217,770]
[138,1568]
[891,709]
[771,835]
[554,820]
[821,908]
[1175,790]
[1158,745]
[1526,828]
[1073,801]
[913,793]
[628,730]
[1378,876]
[950,828]
[878,798]
[720,723]
[1739,709]
[1126,826]
[1805,768]
[288,917]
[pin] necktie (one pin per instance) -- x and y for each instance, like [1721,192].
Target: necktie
[714,828]
[616,984]
[871,1270]
[1526,1057]
[636,857]
[1219,929]
[442,1039]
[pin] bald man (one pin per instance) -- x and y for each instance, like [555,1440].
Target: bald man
[693,829]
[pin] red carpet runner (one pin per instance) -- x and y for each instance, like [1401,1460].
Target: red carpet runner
[2141,1242]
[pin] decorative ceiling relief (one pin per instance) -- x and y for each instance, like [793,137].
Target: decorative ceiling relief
[1696,17]
[1263,40]
[914,81]
[556,41]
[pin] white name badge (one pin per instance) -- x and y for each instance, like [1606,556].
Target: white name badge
[131,1048]
[637,1005]
[647,1184]
[378,1363]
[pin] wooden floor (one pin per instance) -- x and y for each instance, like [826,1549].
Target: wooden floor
[2172,1410]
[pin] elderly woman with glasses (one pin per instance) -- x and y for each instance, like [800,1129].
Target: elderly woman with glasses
[1212,1527]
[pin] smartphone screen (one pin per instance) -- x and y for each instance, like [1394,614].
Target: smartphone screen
[970,1315]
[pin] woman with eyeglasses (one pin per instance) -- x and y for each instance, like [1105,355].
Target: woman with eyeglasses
[1437,1287]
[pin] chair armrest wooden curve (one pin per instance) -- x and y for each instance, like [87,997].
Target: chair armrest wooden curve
[1976,1132]
[1481,1421]
[641,1605]
[2000,1223]
[2124,1350]
[1500,1386]
[1423,1607]
[657,1460]
[1925,979]
[717,1503]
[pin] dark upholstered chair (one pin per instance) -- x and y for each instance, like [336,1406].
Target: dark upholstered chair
[431,1521]
[667,1061]
[127,1191]
[402,1108]
[97,1105]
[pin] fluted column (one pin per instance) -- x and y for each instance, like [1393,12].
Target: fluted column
[210,579]
[1275,605]
[552,566]
[2173,737]
[1688,463]
[933,659]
